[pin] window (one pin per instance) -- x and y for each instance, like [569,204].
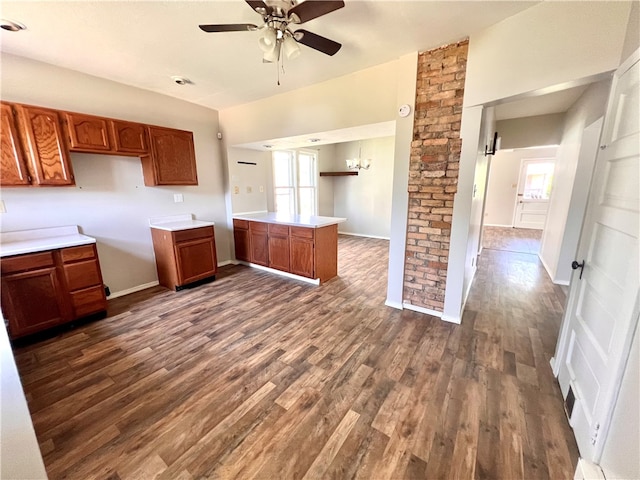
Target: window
[538,181]
[294,182]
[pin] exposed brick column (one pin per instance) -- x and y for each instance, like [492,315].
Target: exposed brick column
[433,172]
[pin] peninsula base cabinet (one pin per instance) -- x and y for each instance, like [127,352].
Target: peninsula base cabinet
[304,251]
[184,257]
[45,289]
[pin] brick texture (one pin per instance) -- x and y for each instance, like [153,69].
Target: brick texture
[433,172]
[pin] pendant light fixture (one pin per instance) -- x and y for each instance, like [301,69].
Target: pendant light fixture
[358,163]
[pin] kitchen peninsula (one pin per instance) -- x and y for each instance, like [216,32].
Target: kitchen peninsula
[305,247]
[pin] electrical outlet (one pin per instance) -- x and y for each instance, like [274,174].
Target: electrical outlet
[236,190]
[249,189]
[261,189]
[178,198]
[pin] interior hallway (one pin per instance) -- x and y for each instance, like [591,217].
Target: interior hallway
[256,376]
[522,240]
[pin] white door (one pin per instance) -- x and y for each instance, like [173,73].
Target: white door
[534,188]
[603,305]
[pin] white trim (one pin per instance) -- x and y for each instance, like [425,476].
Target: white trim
[313,281]
[392,304]
[451,319]
[135,289]
[585,470]
[498,225]
[546,267]
[426,311]
[363,235]
[225,263]
[248,213]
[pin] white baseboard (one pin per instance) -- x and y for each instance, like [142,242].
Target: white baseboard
[586,470]
[135,289]
[546,267]
[363,235]
[392,304]
[226,262]
[426,311]
[497,225]
[312,281]
[451,319]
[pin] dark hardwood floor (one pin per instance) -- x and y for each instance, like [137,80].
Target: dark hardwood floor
[257,376]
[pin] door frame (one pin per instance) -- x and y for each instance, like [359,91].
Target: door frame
[562,346]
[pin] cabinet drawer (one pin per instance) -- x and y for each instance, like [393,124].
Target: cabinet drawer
[26,262]
[302,232]
[192,234]
[241,224]
[73,254]
[275,229]
[88,301]
[82,275]
[258,227]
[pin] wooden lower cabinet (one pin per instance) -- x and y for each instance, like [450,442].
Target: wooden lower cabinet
[259,242]
[45,289]
[184,256]
[305,251]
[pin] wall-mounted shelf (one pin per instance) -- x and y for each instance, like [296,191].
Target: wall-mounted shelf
[338,174]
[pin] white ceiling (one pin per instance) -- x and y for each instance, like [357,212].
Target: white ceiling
[143,43]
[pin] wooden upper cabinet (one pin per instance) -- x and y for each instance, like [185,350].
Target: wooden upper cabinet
[13,168]
[129,137]
[171,160]
[87,133]
[48,156]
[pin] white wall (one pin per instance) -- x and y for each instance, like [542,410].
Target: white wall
[531,131]
[361,98]
[326,163]
[248,180]
[110,201]
[632,38]
[572,178]
[545,45]
[365,200]
[503,183]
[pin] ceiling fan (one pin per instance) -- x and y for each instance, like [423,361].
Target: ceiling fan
[278,16]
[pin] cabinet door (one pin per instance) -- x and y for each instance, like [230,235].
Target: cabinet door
[302,257]
[47,152]
[259,248]
[33,301]
[172,158]
[87,133]
[129,137]
[241,240]
[196,259]
[13,169]
[279,252]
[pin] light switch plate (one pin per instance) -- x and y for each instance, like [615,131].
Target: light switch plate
[236,190]
[178,198]
[261,189]
[249,189]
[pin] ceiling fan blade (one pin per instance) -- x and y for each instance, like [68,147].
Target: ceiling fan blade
[305,11]
[230,27]
[259,7]
[317,42]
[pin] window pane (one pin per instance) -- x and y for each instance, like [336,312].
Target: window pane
[282,175]
[306,170]
[538,181]
[307,201]
[284,200]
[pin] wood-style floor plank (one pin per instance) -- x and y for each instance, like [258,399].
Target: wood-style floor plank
[258,376]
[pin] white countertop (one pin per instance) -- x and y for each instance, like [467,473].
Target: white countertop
[40,239]
[174,223]
[292,220]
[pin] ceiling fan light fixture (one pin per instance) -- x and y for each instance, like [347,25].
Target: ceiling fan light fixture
[290,47]
[268,38]
[272,55]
